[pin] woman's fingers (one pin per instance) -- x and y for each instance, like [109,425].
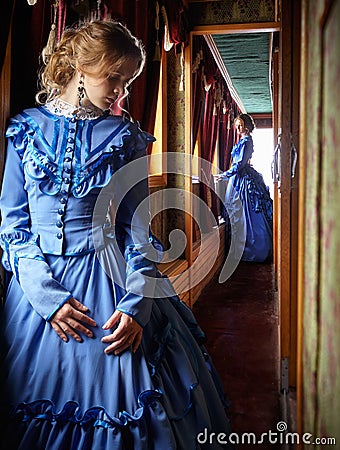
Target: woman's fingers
[69,321]
[128,333]
[137,341]
[59,331]
[112,320]
[76,304]
[119,346]
[81,317]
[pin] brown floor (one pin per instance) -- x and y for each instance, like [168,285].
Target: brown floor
[240,320]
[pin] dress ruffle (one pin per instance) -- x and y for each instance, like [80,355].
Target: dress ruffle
[96,416]
[96,173]
[251,182]
[15,237]
[43,427]
[177,409]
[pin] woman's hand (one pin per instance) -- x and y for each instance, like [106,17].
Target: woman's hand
[70,319]
[128,333]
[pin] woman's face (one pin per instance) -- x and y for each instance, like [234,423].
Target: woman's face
[239,125]
[102,92]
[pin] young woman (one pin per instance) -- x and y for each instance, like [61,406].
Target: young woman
[91,358]
[247,199]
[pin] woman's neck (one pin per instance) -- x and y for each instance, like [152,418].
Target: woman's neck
[69,95]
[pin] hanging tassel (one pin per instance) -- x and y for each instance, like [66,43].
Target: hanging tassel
[207,86]
[157,55]
[51,42]
[215,102]
[99,3]
[181,83]
[32,2]
[167,43]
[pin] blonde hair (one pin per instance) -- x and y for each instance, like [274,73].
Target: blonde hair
[104,44]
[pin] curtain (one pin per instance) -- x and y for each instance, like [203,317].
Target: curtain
[209,130]
[227,134]
[213,111]
[177,13]
[30,28]
[140,18]
[209,133]
[6,15]
[197,87]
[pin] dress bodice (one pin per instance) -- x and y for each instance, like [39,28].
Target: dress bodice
[64,163]
[241,154]
[242,151]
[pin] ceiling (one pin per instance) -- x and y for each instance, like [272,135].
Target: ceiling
[246,57]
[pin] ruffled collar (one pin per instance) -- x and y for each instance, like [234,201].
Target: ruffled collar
[61,108]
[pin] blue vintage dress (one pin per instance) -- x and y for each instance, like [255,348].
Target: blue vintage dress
[59,395]
[248,205]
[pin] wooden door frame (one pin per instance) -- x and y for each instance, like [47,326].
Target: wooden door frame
[288,207]
[265,27]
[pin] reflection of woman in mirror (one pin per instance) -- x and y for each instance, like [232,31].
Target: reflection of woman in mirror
[246,184]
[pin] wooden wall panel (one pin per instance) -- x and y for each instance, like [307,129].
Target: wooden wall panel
[319,278]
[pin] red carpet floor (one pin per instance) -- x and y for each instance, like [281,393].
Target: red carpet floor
[240,319]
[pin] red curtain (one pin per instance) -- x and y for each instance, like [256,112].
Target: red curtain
[5,21]
[209,133]
[177,12]
[139,17]
[209,130]
[197,88]
[227,134]
[215,115]
[31,26]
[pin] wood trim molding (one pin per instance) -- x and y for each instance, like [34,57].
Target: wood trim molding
[230,28]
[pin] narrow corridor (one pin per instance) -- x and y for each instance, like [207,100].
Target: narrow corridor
[240,319]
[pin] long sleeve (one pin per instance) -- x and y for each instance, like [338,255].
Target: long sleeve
[22,254]
[241,154]
[132,225]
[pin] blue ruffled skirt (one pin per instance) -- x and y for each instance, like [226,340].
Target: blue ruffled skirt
[256,218]
[72,395]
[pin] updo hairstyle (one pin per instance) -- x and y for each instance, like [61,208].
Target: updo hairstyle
[104,44]
[248,121]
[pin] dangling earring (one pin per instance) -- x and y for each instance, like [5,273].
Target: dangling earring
[81,93]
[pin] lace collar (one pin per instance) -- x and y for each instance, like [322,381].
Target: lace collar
[61,108]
